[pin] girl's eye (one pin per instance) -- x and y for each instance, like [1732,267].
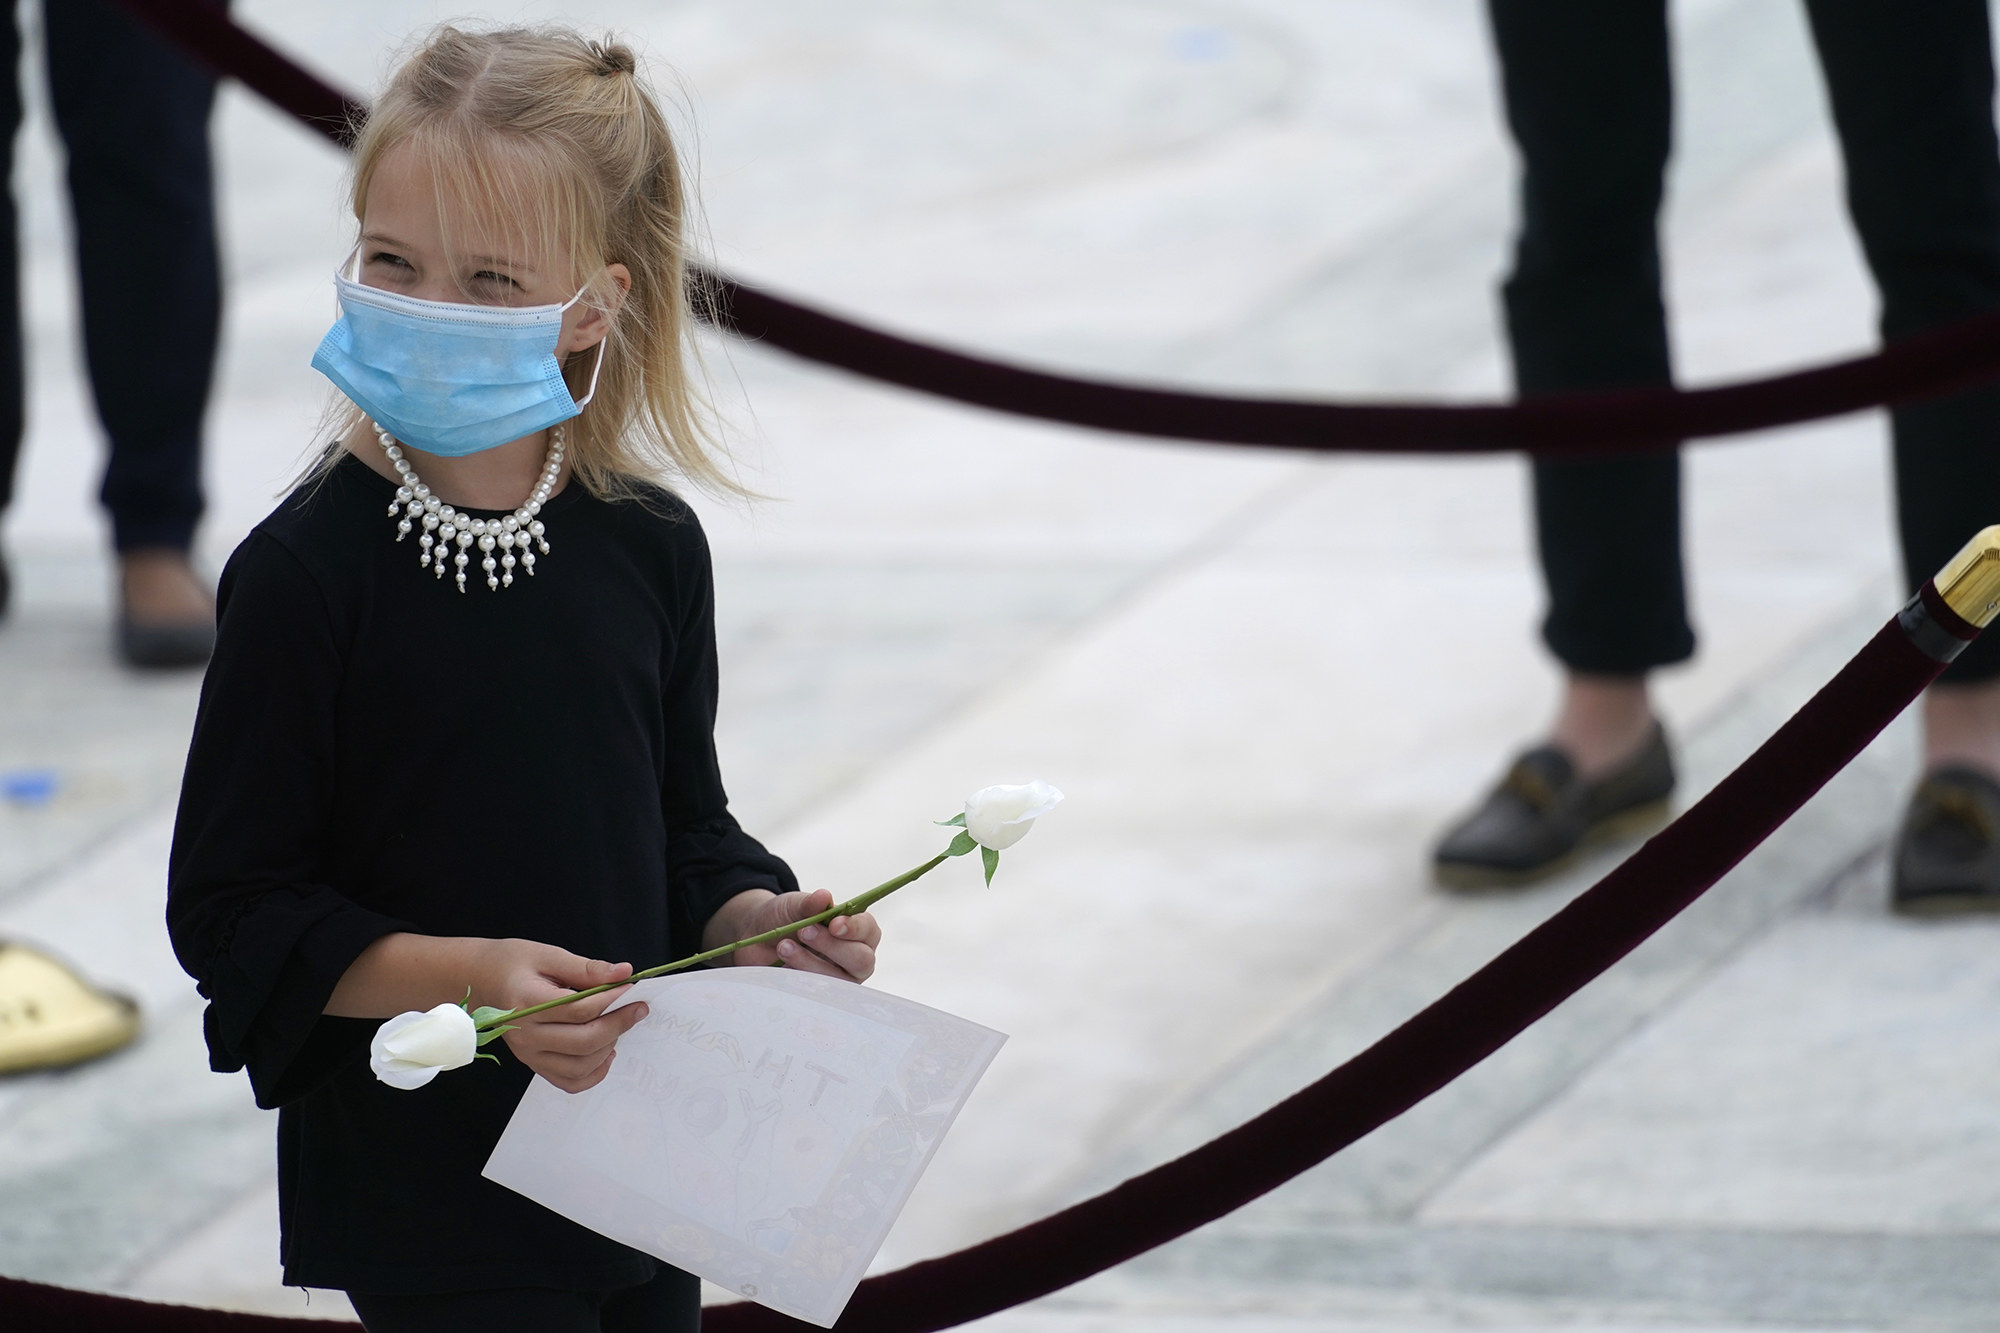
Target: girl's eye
[488,276]
[392,261]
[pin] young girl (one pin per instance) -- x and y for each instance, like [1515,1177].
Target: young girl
[457,733]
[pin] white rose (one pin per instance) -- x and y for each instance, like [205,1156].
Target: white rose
[409,1049]
[999,817]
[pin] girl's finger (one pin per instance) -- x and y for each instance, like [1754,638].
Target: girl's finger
[587,1038]
[582,1011]
[856,956]
[575,1076]
[800,905]
[861,928]
[571,1064]
[800,958]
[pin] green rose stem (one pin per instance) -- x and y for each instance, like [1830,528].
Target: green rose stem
[491,1021]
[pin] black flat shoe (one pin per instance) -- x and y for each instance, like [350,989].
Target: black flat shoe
[157,647]
[1541,816]
[1948,851]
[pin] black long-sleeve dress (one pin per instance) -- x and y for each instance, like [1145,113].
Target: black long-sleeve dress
[375,752]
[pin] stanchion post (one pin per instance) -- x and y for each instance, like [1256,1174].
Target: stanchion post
[1948,612]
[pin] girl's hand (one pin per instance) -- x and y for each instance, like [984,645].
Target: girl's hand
[843,947]
[571,1045]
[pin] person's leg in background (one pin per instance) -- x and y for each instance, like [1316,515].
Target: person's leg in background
[133,113]
[12,419]
[1589,101]
[1912,93]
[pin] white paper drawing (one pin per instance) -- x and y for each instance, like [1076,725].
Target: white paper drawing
[761,1128]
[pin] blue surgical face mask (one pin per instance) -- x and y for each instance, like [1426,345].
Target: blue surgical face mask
[448,378]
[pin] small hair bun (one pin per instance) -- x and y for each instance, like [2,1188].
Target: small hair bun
[614,58]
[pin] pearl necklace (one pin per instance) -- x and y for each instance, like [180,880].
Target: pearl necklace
[508,535]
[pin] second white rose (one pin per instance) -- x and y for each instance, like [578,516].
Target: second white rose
[999,817]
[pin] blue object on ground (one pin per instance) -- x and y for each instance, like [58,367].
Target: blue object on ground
[28,786]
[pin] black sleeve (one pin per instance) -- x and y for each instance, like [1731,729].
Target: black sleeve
[710,859]
[251,918]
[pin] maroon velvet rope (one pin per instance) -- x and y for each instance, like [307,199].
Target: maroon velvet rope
[1484,1012]
[1959,356]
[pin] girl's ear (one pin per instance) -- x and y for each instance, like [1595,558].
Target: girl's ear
[594,325]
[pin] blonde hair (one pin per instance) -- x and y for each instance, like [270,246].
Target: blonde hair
[557,135]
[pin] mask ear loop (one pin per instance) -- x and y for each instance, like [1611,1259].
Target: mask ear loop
[596,368]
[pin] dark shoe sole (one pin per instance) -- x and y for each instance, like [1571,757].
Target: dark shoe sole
[1638,822]
[1970,903]
[165,647]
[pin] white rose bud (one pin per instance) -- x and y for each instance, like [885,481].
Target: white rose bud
[999,817]
[409,1049]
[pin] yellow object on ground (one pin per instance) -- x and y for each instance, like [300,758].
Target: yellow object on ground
[50,1016]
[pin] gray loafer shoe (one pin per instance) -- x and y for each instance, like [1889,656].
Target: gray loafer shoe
[1542,816]
[1948,850]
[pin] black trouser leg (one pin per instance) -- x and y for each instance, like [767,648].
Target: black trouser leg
[1589,100]
[133,113]
[1912,94]
[12,419]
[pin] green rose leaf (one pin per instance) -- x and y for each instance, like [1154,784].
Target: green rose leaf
[485,1014]
[491,1033]
[960,845]
[956,821]
[992,860]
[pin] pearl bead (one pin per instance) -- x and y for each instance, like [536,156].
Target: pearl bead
[507,534]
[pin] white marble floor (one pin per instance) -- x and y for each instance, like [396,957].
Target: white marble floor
[1780,1115]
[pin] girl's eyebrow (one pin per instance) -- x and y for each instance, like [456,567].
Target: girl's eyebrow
[496,261]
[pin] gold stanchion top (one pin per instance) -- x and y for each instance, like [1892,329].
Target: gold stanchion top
[50,1016]
[1970,584]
